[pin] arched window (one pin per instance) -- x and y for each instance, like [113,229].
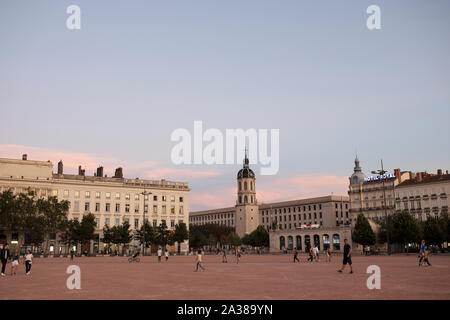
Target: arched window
[245,185]
[240,186]
[326,241]
[245,199]
[282,243]
[290,242]
[298,242]
[336,242]
[251,199]
[251,185]
[240,199]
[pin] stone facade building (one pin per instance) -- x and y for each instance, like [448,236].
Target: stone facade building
[112,200]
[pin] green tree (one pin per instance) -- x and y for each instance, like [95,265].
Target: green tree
[363,233]
[121,234]
[259,237]
[181,234]
[233,239]
[163,235]
[146,232]
[107,236]
[433,231]
[405,229]
[197,236]
[247,240]
[54,213]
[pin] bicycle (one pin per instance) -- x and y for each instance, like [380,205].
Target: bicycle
[134,258]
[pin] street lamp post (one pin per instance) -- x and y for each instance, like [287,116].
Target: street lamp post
[382,172]
[145,194]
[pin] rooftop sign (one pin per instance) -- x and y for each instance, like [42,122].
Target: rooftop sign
[381,177]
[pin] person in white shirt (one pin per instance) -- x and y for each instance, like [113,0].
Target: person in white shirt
[166,253]
[159,254]
[28,262]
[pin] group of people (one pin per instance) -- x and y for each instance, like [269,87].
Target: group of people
[199,258]
[313,254]
[5,256]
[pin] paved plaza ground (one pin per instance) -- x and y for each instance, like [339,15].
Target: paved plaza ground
[256,277]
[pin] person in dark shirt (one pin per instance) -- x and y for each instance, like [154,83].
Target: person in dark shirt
[347,257]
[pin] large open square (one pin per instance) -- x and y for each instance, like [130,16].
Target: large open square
[256,277]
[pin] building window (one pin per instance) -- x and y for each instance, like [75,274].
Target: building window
[108,195]
[155,198]
[97,207]
[172,223]
[66,193]
[172,209]
[136,208]
[86,206]
[127,207]
[155,209]
[117,195]
[172,198]
[97,195]
[87,194]
[180,210]
[127,196]
[77,194]
[117,207]
[136,223]
[107,222]
[97,222]
[181,199]
[136,196]
[117,221]
[164,198]
[76,206]
[155,223]
[107,207]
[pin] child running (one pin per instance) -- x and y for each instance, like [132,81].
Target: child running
[28,262]
[15,261]
[199,261]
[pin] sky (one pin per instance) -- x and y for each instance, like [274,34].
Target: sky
[112,92]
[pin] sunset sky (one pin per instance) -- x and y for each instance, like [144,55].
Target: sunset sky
[112,93]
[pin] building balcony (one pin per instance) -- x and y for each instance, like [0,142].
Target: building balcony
[433,196]
[443,195]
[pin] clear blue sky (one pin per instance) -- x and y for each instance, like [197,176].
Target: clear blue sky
[137,70]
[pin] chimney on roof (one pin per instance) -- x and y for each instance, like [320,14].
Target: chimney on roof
[100,171]
[419,177]
[118,173]
[439,172]
[80,171]
[24,156]
[398,175]
[60,167]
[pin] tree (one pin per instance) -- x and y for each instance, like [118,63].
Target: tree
[247,240]
[197,236]
[121,234]
[107,236]
[148,232]
[444,221]
[404,229]
[259,237]
[80,232]
[54,213]
[181,234]
[433,232]
[233,239]
[363,233]
[163,235]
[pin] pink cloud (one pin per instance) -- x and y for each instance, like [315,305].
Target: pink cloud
[214,199]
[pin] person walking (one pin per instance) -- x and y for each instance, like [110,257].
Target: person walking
[15,261]
[423,254]
[347,257]
[328,255]
[28,262]
[72,253]
[296,255]
[5,255]
[311,257]
[159,254]
[199,261]
[316,253]
[224,256]
[166,253]
[238,256]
